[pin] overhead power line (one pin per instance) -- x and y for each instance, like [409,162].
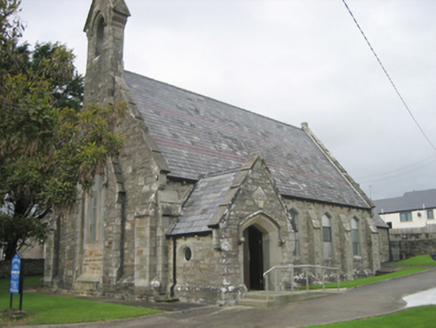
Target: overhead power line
[397,172]
[389,78]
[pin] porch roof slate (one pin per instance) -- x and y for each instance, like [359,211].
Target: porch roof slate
[198,135]
[203,203]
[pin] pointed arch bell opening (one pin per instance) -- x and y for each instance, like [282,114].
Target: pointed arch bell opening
[100,33]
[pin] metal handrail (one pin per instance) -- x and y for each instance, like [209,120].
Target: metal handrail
[292,267]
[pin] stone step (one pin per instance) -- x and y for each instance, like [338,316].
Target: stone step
[259,298]
[256,303]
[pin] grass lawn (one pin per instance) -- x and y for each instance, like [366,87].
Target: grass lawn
[369,280]
[49,309]
[417,260]
[422,317]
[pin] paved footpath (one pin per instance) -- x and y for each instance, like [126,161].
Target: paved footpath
[366,301]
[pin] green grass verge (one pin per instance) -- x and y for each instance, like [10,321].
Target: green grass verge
[50,309]
[369,280]
[417,260]
[422,317]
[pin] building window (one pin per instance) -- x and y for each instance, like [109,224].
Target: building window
[95,210]
[327,236]
[187,254]
[355,237]
[406,216]
[295,225]
[430,214]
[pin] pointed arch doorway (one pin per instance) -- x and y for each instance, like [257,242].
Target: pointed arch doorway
[253,258]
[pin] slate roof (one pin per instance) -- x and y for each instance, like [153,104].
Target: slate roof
[379,223]
[203,203]
[198,135]
[410,201]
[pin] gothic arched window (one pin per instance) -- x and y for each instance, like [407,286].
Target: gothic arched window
[355,236]
[327,236]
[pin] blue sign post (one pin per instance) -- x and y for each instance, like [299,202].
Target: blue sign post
[16,283]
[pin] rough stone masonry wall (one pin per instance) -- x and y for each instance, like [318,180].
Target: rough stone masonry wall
[258,194]
[67,256]
[215,271]
[132,219]
[411,248]
[195,276]
[61,247]
[130,252]
[257,203]
[128,257]
[132,240]
[414,241]
[199,275]
[384,245]
[104,65]
[311,243]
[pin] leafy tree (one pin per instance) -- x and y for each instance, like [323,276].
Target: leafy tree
[66,89]
[47,145]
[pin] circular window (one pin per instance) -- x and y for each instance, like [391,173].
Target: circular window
[187,254]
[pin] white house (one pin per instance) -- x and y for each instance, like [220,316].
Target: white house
[414,209]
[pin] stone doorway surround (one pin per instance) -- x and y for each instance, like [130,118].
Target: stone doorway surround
[265,235]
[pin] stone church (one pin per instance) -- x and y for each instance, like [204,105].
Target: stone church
[205,196]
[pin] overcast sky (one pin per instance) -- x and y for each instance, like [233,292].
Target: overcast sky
[294,61]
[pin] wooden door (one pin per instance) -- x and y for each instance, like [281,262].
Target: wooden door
[253,259]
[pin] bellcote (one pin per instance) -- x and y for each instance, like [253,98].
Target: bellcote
[104,29]
[102,7]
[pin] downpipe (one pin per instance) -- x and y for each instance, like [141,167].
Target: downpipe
[174,267]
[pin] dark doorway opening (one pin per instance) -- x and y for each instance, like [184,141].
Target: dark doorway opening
[253,259]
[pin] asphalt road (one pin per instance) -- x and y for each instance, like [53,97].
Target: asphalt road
[366,301]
